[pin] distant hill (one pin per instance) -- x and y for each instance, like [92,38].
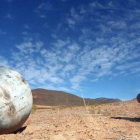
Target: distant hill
[60,98]
[102,99]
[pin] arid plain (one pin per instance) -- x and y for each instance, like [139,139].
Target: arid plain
[116,121]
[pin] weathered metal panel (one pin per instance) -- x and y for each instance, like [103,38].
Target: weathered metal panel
[15,100]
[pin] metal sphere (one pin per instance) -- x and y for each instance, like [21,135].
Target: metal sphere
[138,97]
[15,100]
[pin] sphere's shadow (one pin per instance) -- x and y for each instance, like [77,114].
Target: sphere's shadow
[20,130]
[127,118]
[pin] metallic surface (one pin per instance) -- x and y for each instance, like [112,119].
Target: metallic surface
[138,97]
[15,100]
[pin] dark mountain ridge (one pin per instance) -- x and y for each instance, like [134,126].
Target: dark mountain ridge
[60,98]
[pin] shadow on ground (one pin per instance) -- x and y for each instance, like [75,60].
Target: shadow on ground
[20,130]
[127,118]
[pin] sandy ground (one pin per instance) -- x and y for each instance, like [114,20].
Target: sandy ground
[116,121]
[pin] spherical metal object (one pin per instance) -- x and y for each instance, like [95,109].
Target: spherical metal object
[15,100]
[138,97]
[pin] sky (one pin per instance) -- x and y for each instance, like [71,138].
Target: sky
[91,46]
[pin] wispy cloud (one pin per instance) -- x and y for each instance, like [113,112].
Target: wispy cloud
[117,25]
[128,66]
[75,15]
[43,8]
[61,43]
[95,80]
[96,4]
[42,16]
[70,22]
[30,47]
[76,81]
[26,26]
[99,51]
[108,5]
[87,45]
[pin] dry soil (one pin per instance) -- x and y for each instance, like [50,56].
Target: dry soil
[115,121]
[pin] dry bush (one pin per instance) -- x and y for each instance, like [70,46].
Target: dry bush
[34,108]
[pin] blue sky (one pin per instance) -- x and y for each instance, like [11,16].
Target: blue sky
[69,45]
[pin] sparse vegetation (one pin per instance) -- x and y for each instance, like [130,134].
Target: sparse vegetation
[53,109]
[62,107]
[34,108]
[92,110]
[99,111]
[116,103]
[108,121]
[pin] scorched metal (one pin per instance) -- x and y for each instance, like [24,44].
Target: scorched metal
[15,100]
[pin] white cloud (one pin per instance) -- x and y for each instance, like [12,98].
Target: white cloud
[68,67]
[60,43]
[135,70]
[69,56]
[56,80]
[82,10]
[43,51]
[57,88]
[42,16]
[75,15]
[67,63]
[93,50]
[42,8]
[45,6]
[71,22]
[31,73]
[117,24]
[76,80]
[89,42]
[26,26]
[128,66]
[30,47]
[110,5]
[74,47]
[26,34]
[95,80]
[135,26]
[104,29]
[86,30]
[97,5]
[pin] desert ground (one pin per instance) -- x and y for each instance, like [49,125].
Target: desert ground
[114,121]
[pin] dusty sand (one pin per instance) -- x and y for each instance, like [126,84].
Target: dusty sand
[116,121]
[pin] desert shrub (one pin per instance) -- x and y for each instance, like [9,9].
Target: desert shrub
[116,103]
[92,110]
[34,108]
[99,111]
[96,105]
[62,107]
[53,109]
